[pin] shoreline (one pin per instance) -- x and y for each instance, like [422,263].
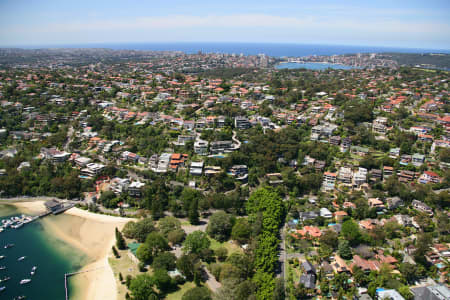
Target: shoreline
[90,233]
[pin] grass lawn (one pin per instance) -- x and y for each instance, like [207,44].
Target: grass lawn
[126,266]
[231,247]
[183,289]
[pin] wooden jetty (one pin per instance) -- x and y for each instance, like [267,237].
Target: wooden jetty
[67,275]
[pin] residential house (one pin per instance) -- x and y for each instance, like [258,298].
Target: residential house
[346,144]
[329,180]
[387,171]
[340,215]
[368,224]
[201,147]
[309,232]
[375,175]
[212,170]
[376,203]
[394,152]
[394,202]
[241,123]
[91,170]
[339,265]
[388,294]
[345,175]
[196,168]
[177,160]
[239,171]
[418,159]
[379,125]
[406,176]
[54,155]
[82,161]
[359,177]
[358,150]
[163,163]
[220,147]
[119,185]
[420,206]
[429,177]
[431,292]
[307,215]
[325,213]
[135,189]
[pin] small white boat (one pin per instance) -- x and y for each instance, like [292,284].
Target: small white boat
[25,281]
[2,256]
[2,268]
[33,270]
[2,288]
[21,258]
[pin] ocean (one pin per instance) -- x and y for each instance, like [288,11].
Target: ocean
[271,49]
[52,258]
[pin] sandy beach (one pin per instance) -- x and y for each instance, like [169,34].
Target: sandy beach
[91,233]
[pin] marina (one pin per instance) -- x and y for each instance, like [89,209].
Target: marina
[23,269]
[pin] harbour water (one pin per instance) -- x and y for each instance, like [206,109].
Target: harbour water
[52,257]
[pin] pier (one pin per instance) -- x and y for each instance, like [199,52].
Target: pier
[67,275]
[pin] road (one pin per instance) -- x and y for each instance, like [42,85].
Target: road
[236,141]
[212,283]
[69,140]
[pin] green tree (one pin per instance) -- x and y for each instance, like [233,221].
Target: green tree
[195,242]
[241,231]
[350,231]
[344,249]
[329,238]
[220,226]
[197,293]
[144,253]
[221,253]
[409,271]
[168,224]
[120,241]
[156,243]
[187,264]
[405,292]
[141,287]
[193,213]
[162,280]
[139,230]
[164,260]
[177,236]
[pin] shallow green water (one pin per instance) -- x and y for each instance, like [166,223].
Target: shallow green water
[52,258]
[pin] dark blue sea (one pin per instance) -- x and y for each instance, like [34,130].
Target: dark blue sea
[271,49]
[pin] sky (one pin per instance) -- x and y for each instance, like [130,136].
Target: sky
[392,23]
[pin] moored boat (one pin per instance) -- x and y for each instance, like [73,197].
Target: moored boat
[21,258]
[8,246]
[33,270]
[2,288]
[25,281]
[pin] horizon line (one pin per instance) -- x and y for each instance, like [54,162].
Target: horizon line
[62,45]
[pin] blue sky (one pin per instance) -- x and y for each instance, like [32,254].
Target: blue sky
[398,23]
